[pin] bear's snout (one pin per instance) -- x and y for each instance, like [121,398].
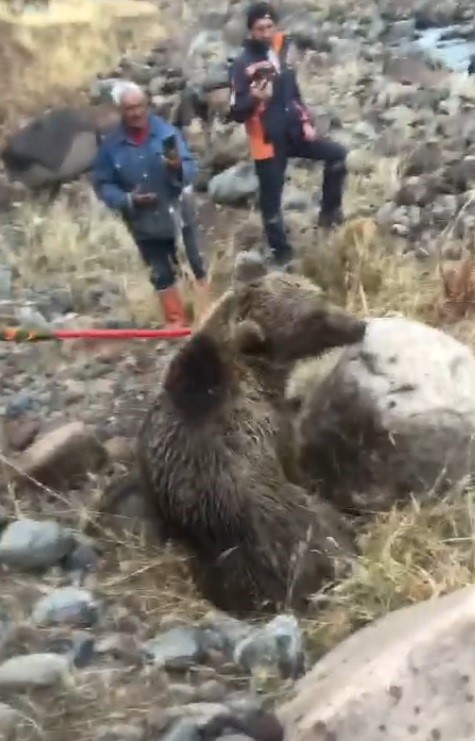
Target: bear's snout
[343,329]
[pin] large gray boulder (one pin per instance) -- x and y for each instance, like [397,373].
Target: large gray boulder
[394,415]
[411,675]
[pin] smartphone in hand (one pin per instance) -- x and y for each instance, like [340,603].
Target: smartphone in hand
[141,198]
[170,149]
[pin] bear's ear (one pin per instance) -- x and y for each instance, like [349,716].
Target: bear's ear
[248,266]
[249,336]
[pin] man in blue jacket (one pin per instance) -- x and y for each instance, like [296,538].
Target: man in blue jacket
[139,175]
[266,97]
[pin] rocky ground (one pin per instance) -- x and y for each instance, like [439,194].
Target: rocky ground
[119,645]
[407,122]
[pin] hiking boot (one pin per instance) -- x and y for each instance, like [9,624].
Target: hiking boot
[172,308]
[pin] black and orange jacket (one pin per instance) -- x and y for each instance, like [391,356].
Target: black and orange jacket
[268,125]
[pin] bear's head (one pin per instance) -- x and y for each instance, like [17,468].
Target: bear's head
[282,316]
[261,325]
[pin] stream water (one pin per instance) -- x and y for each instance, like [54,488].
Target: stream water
[454,53]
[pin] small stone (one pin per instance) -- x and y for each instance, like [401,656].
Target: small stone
[80,647]
[182,693]
[30,318]
[296,200]
[182,730]
[8,721]
[5,282]
[66,606]
[74,391]
[178,648]
[20,432]
[211,691]
[120,732]
[63,455]
[155,721]
[31,544]
[34,670]
[82,560]
[279,643]
[121,646]
[120,449]
[5,629]
[223,632]
[19,404]
[200,713]
[235,186]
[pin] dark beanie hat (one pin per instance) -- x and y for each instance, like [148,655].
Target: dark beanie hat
[258,11]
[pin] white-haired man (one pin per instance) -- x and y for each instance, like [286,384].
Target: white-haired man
[142,168]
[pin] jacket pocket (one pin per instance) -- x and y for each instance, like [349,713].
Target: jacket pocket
[152,223]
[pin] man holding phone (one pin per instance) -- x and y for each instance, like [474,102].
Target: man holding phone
[143,170]
[266,98]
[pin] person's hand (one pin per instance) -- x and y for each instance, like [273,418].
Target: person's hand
[173,161]
[261,90]
[309,132]
[143,199]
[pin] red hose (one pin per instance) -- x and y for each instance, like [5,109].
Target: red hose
[120,334]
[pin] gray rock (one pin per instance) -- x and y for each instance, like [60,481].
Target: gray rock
[79,647]
[296,200]
[205,43]
[235,186]
[217,77]
[5,629]
[31,544]
[8,721]
[223,632]
[402,30]
[468,168]
[69,606]
[279,644]
[82,560]
[416,191]
[182,730]
[200,712]
[213,720]
[181,693]
[5,282]
[101,90]
[34,670]
[120,732]
[211,691]
[19,404]
[425,158]
[408,675]
[444,209]
[64,455]
[178,648]
[30,318]
[227,147]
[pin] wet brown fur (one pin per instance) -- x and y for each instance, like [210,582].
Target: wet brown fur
[208,448]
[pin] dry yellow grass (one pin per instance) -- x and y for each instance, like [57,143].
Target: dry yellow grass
[82,248]
[47,56]
[407,555]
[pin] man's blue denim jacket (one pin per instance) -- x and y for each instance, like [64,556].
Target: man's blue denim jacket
[121,166]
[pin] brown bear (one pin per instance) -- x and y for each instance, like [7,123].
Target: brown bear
[207,447]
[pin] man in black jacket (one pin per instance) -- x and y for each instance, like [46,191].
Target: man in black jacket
[267,99]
